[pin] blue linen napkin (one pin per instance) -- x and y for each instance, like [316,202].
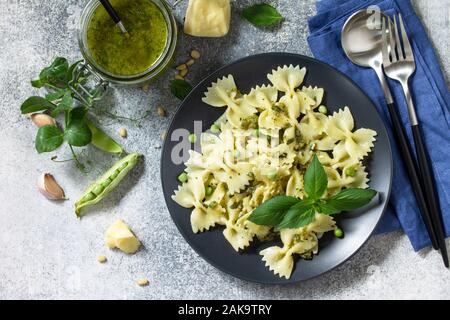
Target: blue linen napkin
[432,100]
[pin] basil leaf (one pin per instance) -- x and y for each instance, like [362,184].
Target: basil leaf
[35,104]
[37,83]
[180,88]
[78,113]
[102,141]
[298,216]
[52,96]
[262,14]
[77,132]
[327,208]
[48,138]
[316,179]
[271,212]
[351,199]
[72,69]
[65,104]
[55,74]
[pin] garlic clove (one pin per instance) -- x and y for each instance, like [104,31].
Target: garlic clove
[50,188]
[42,119]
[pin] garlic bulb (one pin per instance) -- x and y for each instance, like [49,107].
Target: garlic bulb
[42,119]
[50,188]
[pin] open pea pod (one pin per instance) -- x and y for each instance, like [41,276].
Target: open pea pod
[107,182]
[102,141]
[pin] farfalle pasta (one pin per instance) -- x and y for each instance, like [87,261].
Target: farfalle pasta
[267,139]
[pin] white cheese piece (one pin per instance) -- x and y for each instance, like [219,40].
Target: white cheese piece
[208,18]
[120,236]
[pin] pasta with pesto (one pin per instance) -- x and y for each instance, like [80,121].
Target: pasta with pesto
[267,138]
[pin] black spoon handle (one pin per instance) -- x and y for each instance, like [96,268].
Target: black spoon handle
[430,190]
[111,11]
[408,159]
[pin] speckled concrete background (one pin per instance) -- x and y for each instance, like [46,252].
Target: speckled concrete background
[46,253]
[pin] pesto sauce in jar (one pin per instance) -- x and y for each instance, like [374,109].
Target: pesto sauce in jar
[124,55]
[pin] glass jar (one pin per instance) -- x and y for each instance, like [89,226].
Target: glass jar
[99,78]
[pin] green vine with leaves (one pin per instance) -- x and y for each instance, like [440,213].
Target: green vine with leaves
[78,130]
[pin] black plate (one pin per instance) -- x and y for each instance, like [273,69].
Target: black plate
[340,91]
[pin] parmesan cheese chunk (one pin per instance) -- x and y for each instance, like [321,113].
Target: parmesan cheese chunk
[120,236]
[208,18]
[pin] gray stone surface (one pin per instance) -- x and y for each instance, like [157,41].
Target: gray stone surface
[46,253]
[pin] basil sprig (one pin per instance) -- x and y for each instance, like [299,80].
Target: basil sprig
[286,212]
[262,15]
[77,131]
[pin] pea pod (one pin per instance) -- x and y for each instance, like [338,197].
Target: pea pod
[106,183]
[102,141]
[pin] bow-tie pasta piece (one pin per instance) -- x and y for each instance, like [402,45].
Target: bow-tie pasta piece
[295,185]
[338,181]
[217,196]
[339,127]
[236,179]
[278,260]
[286,79]
[358,178]
[261,232]
[295,241]
[236,233]
[191,193]
[322,223]
[270,122]
[203,218]
[316,94]
[224,93]
[313,125]
[221,93]
[296,104]
[262,98]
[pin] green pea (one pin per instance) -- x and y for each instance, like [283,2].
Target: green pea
[209,190]
[183,177]
[350,171]
[338,233]
[215,128]
[98,190]
[106,183]
[89,197]
[323,109]
[123,166]
[115,174]
[192,138]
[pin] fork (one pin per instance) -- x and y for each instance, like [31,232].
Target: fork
[399,64]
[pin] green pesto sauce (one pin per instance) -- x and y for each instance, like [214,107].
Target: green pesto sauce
[127,55]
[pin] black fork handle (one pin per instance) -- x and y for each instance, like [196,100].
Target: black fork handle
[111,11]
[427,176]
[408,159]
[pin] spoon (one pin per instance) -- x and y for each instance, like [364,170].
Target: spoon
[361,39]
[113,13]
